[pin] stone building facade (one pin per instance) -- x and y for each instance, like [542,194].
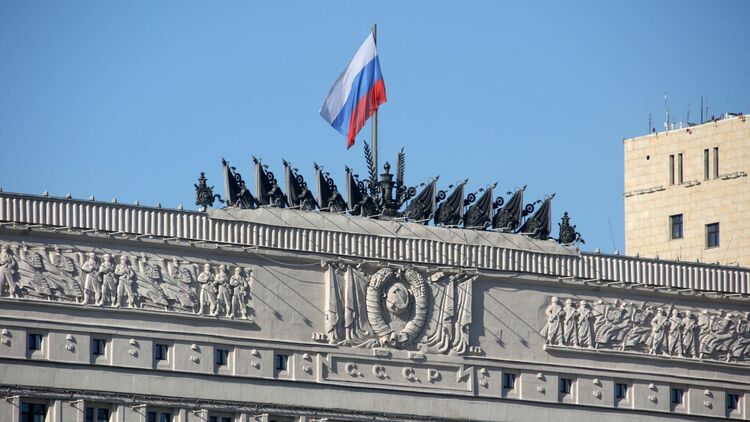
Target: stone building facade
[113,312]
[687,194]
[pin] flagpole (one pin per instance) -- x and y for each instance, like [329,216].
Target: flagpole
[374,122]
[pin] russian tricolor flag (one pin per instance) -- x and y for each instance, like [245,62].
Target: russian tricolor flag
[356,94]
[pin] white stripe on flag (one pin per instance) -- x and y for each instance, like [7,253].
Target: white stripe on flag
[340,90]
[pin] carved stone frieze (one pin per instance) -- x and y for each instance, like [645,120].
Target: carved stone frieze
[391,308]
[142,282]
[649,329]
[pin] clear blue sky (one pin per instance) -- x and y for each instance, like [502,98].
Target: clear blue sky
[134,98]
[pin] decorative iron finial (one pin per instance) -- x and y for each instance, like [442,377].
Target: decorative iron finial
[568,233]
[204,195]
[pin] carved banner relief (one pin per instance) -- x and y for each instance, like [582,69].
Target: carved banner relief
[391,307]
[131,281]
[648,329]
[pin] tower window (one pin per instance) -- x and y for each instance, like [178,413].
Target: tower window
[675,222]
[705,164]
[679,169]
[716,162]
[671,169]
[712,235]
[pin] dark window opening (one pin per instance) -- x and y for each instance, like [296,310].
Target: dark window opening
[97,414]
[221,357]
[733,401]
[33,412]
[676,396]
[706,171]
[98,346]
[675,221]
[159,417]
[621,391]
[509,381]
[679,169]
[35,342]
[712,235]
[716,162]
[161,352]
[282,361]
[565,385]
[671,169]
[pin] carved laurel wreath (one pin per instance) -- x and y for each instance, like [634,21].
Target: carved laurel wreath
[378,281]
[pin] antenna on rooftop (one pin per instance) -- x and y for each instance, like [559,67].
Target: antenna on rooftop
[687,119]
[666,113]
[701,109]
[707,108]
[649,122]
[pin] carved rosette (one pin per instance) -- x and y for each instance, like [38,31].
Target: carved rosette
[402,295]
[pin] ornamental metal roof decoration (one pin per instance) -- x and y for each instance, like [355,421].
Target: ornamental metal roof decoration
[383,197]
[235,189]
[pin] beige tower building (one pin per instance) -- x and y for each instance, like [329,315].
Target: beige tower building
[687,195]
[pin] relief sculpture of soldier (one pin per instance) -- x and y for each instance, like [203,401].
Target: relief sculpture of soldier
[585,325]
[552,331]
[689,335]
[223,296]
[741,346]
[675,334]
[109,285]
[125,277]
[239,286]
[570,329]
[207,291]
[91,282]
[659,333]
[639,332]
[8,268]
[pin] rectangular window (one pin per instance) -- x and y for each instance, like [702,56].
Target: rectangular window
[98,346]
[706,171]
[679,169]
[33,412]
[282,361]
[565,385]
[35,342]
[733,401]
[712,235]
[158,417]
[621,391]
[161,352]
[94,414]
[675,222]
[221,357]
[671,169]
[716,162]
[676,396]
[509,381]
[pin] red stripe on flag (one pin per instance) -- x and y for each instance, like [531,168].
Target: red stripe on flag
[364,109]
